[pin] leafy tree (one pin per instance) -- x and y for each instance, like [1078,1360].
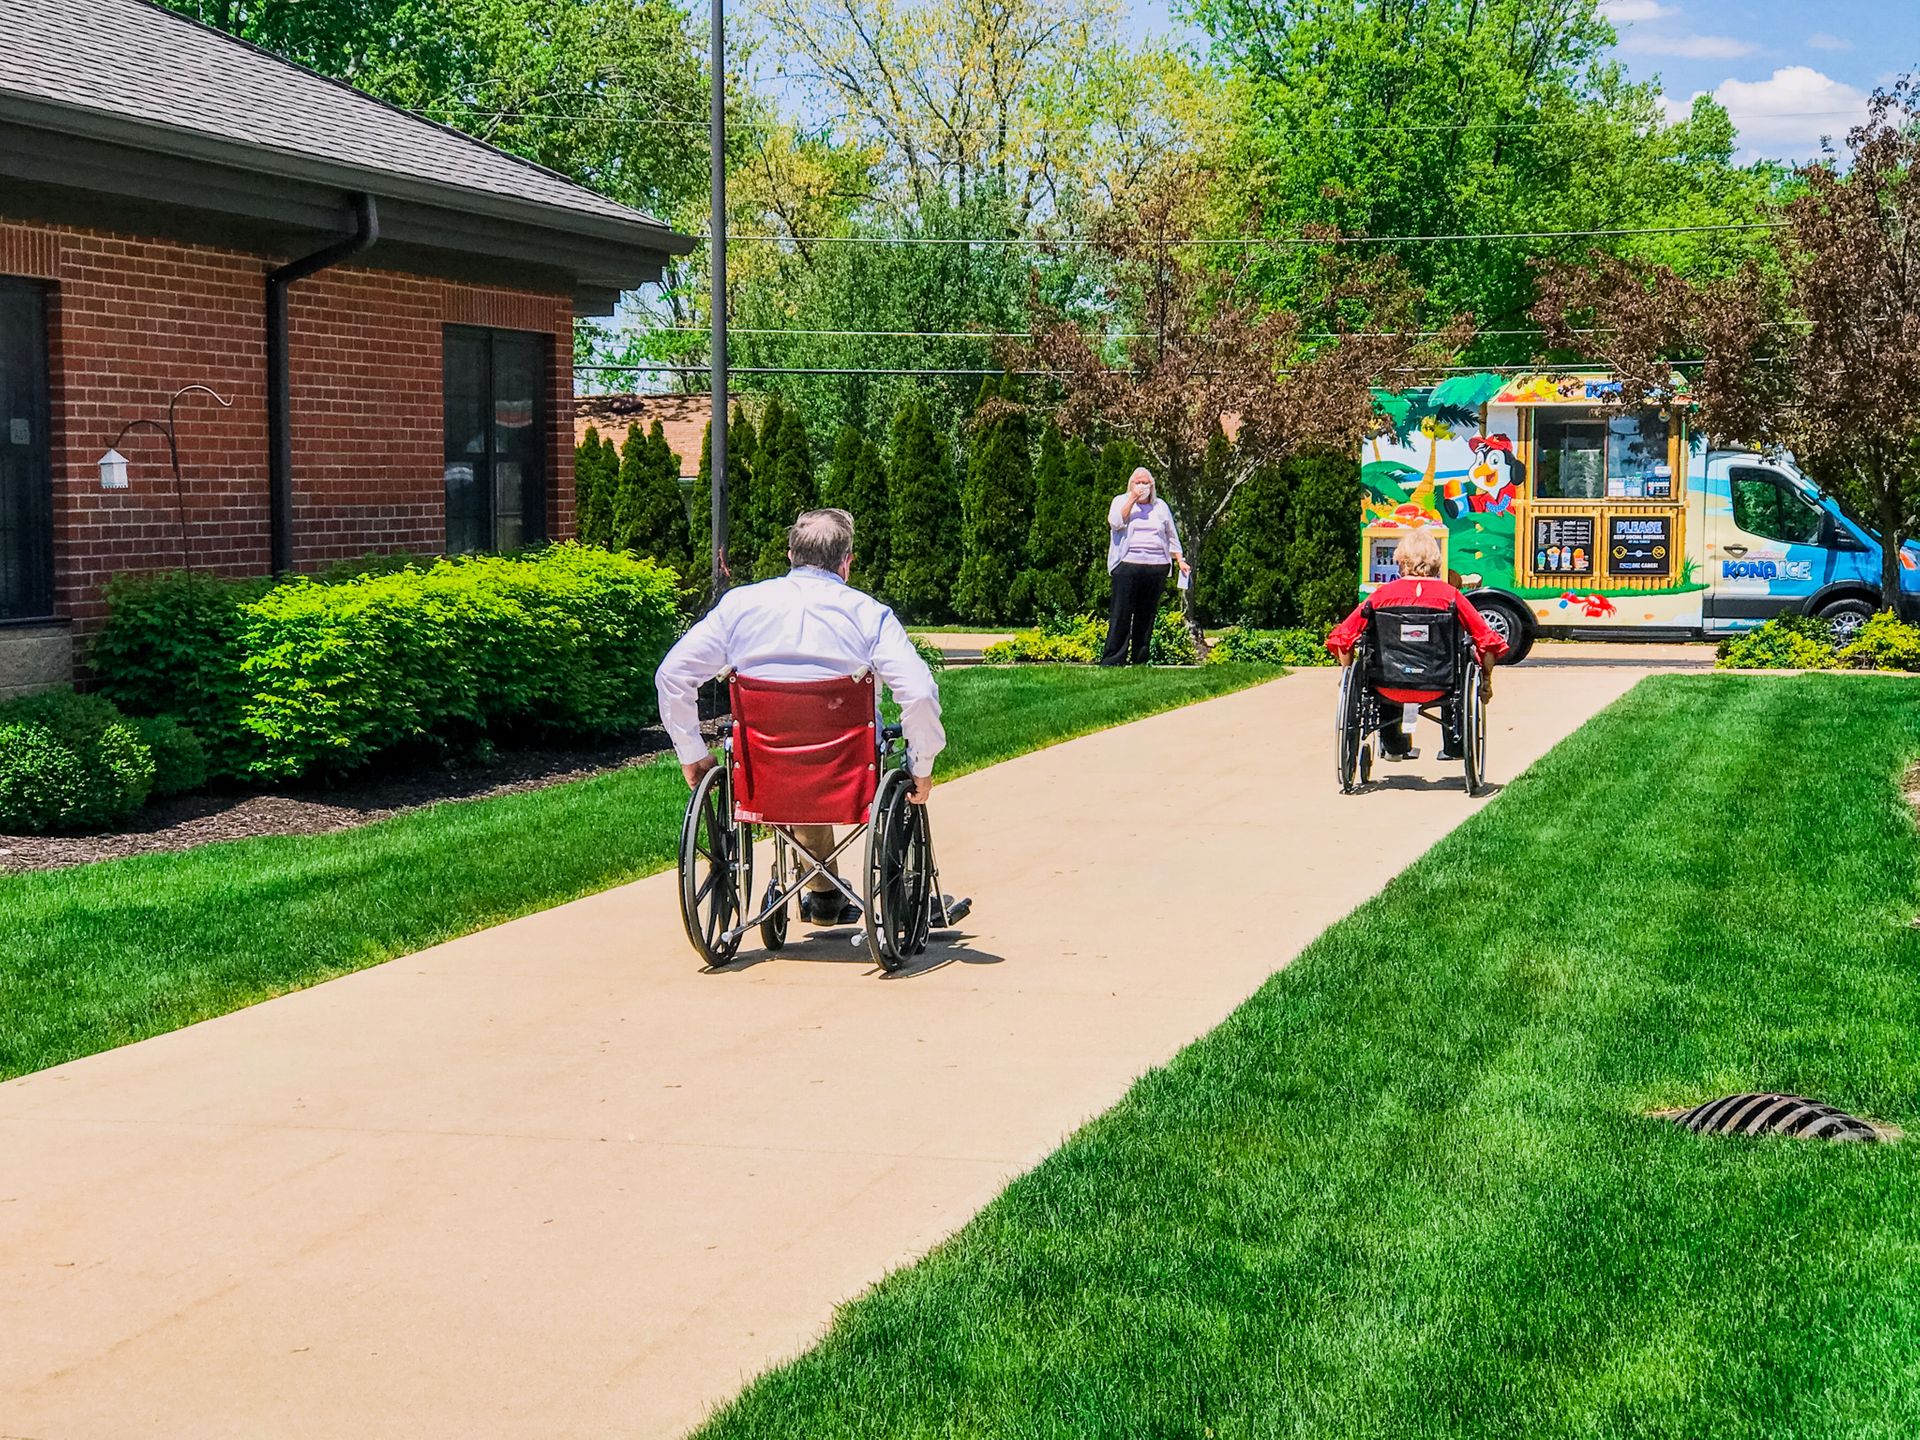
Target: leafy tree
[1440,117]
[996,506]
[1204,353]
[856,482]
[558,82]
[1066,529]
[1818,354]
[924,520]
[784,484]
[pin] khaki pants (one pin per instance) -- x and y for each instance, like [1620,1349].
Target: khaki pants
[820,840]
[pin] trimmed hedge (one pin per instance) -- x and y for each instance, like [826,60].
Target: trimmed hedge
[1791,642]
[1069,640]
[1885,642]
[179,759]
[69,762]
[305,677]
[1293,648]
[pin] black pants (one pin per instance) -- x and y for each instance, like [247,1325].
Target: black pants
[1394,739]
[1136,600]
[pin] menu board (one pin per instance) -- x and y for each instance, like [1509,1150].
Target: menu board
[1640,545]
[1563,544]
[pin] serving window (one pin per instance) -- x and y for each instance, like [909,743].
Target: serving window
[1623,456]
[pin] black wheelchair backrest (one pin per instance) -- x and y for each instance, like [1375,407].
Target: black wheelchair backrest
[1413,647]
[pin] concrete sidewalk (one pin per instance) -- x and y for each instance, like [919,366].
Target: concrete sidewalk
[551,1180]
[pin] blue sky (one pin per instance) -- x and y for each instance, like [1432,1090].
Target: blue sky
[1788,70]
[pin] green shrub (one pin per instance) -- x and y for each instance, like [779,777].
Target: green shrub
[1066,640]
[69,762]
[285,680]
[935,657]
[179,759]
[565,641]
[1791,642]
[1885,642]
[172,645]
[1172,642]
[1293,648]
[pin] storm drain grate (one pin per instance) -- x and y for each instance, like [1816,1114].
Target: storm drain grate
[1772,1114]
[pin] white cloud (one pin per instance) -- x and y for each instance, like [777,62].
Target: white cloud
[1690,47]
[1784,116]
[1627,12]
[1821,40]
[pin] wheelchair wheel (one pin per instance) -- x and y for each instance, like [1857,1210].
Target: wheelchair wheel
[773,929]
[1473,734]
[716,869]
[899,873]
[1348,737]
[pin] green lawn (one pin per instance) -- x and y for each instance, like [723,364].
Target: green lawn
[1407,1190]
[101,955]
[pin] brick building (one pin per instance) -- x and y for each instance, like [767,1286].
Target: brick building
[385,304]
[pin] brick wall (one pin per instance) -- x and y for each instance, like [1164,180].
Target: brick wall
[131,321]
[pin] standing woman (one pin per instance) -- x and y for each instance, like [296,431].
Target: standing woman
[1141,543]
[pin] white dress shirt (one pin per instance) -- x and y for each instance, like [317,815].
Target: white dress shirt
[808,624]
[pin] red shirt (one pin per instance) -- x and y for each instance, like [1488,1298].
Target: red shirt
[1424,593]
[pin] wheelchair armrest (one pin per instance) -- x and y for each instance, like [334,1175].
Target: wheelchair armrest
[892,732]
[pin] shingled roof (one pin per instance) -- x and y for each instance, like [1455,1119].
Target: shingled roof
[107,65]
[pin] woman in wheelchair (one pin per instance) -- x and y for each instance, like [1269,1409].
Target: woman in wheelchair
[1420,587]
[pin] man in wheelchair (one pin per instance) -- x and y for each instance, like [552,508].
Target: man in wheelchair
[799,630]
[1420,587]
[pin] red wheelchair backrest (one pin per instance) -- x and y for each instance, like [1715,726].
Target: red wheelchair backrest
[805,752]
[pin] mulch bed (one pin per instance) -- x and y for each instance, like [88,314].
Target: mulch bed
[184,821]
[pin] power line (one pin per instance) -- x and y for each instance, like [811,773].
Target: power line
[674,369]
[1255,241]
[942,131]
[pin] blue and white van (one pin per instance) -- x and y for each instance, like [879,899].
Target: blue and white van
[1561,512]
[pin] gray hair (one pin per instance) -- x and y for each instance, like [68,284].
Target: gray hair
[822,538]
[1418,554]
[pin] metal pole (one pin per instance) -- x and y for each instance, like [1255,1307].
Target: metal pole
[717,227]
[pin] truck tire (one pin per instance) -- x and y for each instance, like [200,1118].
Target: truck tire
[1846,615]
[1510,622]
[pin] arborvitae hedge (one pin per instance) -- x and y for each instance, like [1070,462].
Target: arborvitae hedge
[856,482]
[783,485]
[996,507]
[924,518]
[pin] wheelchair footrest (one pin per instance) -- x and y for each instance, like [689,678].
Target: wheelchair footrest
[955,911]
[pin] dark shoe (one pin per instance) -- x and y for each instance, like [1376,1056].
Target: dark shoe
[1407,754]
[829,907]
[1449,750]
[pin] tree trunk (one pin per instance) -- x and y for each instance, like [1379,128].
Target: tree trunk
[1891,521]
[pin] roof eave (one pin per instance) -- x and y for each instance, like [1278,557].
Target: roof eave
[641,230]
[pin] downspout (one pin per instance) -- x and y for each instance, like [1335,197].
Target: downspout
[279,394]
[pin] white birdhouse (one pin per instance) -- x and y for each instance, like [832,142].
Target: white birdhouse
[113,471]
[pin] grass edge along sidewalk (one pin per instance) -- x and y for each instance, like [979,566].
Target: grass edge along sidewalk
[100,955]
[1408,1190]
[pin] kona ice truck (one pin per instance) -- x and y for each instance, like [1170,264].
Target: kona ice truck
[1561,512]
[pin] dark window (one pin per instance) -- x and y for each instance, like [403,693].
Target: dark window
[1572,458]
[26,474]
[1763,506]
[496,457]
[1592,459]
